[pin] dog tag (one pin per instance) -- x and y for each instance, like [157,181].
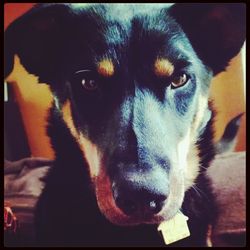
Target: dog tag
[174,229]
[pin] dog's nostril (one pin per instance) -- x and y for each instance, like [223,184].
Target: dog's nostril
[127,206]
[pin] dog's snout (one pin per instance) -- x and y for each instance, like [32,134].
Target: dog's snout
[140,197]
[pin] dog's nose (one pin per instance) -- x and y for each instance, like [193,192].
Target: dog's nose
[139,199]
[136,205]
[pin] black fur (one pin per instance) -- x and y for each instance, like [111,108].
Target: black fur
[55,41]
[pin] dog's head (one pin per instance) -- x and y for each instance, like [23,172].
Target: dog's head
[133,81]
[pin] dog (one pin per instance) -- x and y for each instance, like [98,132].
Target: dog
[131,122]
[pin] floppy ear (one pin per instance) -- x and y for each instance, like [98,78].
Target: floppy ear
[38,39]
[216,31]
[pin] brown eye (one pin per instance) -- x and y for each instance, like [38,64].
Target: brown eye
[86,78]
[179,81]
[89,84]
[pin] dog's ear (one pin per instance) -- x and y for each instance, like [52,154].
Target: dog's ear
[216,31]
[38,39]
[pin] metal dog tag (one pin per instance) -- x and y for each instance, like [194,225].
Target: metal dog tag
[174,229]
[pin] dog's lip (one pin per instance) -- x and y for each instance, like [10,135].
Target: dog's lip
[152,220]
[140,219]
[144,218]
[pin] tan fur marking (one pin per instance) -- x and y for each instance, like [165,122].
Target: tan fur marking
[67,117]
[106,68]
[163,67]
[176,195]
[202,104]
[89,150]
[193,165]
[188,159]
[209,235]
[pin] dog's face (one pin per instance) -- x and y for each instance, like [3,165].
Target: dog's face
[132,83]
[134,95]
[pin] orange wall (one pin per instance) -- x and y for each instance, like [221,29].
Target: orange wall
[33,98]
[227,90]
[14,10]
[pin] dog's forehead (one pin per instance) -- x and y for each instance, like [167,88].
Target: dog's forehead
[126,12]
[121,11]
[147,26]
[111,19]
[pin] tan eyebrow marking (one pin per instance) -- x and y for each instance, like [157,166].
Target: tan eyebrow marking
[163,67]
[106,67]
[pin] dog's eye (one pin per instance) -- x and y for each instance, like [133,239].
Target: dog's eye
[89,84]
[179,81]
[87,79]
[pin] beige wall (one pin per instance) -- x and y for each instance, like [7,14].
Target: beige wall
[229,99]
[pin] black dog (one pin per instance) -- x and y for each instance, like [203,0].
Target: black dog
[131,125]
